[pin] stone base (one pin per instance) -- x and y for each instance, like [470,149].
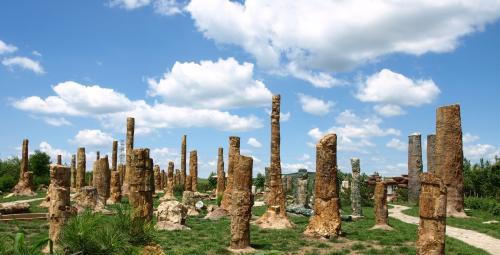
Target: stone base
[241,251]
[170,226]
[217,214]
[271,220]
[382,227]
[24,192]
[192,211]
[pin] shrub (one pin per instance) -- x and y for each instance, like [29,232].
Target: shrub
[486,204]
[18,246]
[212,181]
[178,189]
[402,194]
[219,200]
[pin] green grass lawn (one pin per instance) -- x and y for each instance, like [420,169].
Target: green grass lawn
[475,222]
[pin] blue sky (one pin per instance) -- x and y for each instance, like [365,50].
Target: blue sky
[71,72]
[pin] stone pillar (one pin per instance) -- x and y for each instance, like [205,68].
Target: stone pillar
[169,188]
[381,212]
[221,175]
[183,164]
[73,171]
[114,156]
[357,210]
[241,204]
[59,160]
[177,177]
[59,208]
[414,167]
[302,197]
[25,185]
[289,184]
[325,222]
[193,169]
[275,216]
[97,155]
[187,183]
[91,183]
[121,170]
[234,151]
[449,157]
[24,159]
[431,150]
[101,177]
[81,166]
[141,186]
[432,227]
[115,188]
[163,179]
[129,147]
[157,173]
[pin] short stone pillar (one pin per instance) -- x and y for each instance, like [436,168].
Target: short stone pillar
[432,206]
[81,166]
[414,167]
[241,204]
[302,195]
[88,199]
[141,186]
[381,211]
[431,153]
[24,186]
[97,155]
[193,169]
[221,175]
[157,176]
[115,188]
[326,221]
[102,178]
[357,210]
[234,151]
[169,187]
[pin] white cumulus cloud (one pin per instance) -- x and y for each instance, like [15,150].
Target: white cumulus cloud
[93,138]
[129,4]
[53,152]
[397,144]
[389,110]
[315,105]
[23,63]
[6,48]
[57,122]
[254,142]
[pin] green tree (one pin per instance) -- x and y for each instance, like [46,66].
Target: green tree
[259,181]
[39,165]
[212,182]
[9,173]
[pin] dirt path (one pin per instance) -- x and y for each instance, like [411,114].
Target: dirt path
[476,239]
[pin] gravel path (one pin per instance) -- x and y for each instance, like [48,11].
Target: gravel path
[476,239]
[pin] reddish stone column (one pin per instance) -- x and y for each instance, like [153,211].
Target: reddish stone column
[381,212]
[325,222]
[114,156]
[193,169]
[414,167]
[115,188]
[141,185]
[431,153]
[129,147]
[102,178]
[81,166]
[234,151]
[220,173]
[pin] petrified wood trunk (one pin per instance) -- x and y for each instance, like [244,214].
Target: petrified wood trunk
[87,198]
[59,209]
[129,147]
[302,197]
[234,151]
[101,178]
[193,169]
[381,212]
[449,157]
[432,227]
[163,179]
[183,164]
[414,167]
[241,204]
[221,176]
[73,171]
[115,188]
[81,165]
[169,187]
[59,159]
[187,183]
[114,156]
[356,189]
[121,170]
[25,185]
[157,176]
[431,153]
[97,155]
[289,184]
[177,177]
[326,219]
[141,186]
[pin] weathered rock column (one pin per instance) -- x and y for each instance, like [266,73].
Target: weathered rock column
[234,151]
[141,188]
[97,155]
[115,188]
[187,183]
[289,184]
[432,227]
[59,159]
[169,187]
[221,176]
[381,212]
[193,169]
[431,153]
[357,210]
[163,179]
[157,173]
[73,171]
[129,147]
[25,185]
[275,216]
[81,165]
[102,178]
[414,167]
[302,197]
[183,164]
[121,170]
[449,157]
[114,156]
[326,219]
[241,204]
[59,209]
[177,177]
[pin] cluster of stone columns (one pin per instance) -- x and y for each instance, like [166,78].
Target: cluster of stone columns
[25,185]
[302,195]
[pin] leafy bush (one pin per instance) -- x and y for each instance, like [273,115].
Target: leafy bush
[39,164]
[212,181]
[259,181]
[402,194]
[486,204]
[178,189]
[9,173]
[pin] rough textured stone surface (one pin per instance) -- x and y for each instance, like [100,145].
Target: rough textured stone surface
[121,170]
[241,204]
[169,188]
[13,208]
[187,183]
[115,188]
[177,178]
[356,189]
[183,164]
[193,169]
[157,176]
[81,165]
[431,153]
[216,214]
[326,221]
[381,212]
[449,157]
[102,178]
[414,167]
[59,159]
[114,156]
[91,183]
[275,216]
[432,206]
[189,198]
[163,179]
[141,186]
[302,196]
[88,199]
[289,184]
[234,151]
[24,186]
[73,171]
[171,215]
[221,175]
[129,147]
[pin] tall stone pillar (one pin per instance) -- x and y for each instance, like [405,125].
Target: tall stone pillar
[275,216]
[193,169]
[169,188]
[115,188]
[183,163]
[114,156]
[129,147]
[241,204]
[102,178]
[431,153]
[81,166]
[449,163]
[177,177]
[141,186]
[59,206]
[121,170]
[73,171]
[234,151]
[24,186]
[221,176]
[381,212]
[357,210]
[432,227]
[414,167]
[59,159]
[325,222]
[157,176]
